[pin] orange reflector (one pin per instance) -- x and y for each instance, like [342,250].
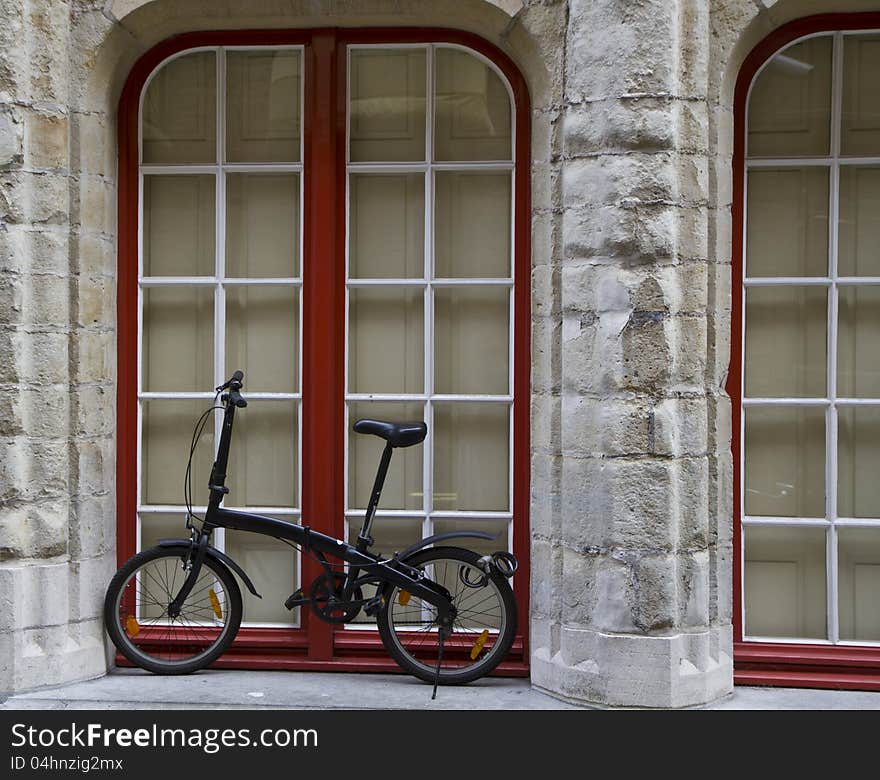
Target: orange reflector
[215,604]
[478,645]
[403,598]
[132,626]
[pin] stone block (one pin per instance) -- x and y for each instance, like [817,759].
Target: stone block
[45,300]
[546,239]
[33,198]
[546,134]
[96,301]
[95,255]
[46,138]
[545,418]
[620,504]
[656,607]
[95,208]
[34,248]
[43,413]
[89,580]
[34,530]
[597,592]
[546,355]
[632,231]
[545,601]
[546,293]
[93,144]
[95,465]
[95,355]
[645,352]
[680,427]
[92,526]
[688,353]
[617,48]
[613,427]
[11,138]
[95,411]
[691,476]
[42,357]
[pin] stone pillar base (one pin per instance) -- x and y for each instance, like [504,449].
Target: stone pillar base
[621,670]
[50,633]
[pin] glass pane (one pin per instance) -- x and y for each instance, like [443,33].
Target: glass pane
[472,109]
[178,229]
[790,102]
[499,528]
[472,230]
[860,118]
[387,105]
[180,111]
[403,485]
[786,341]
[178,339]
[262,224]
[471,456]
[787,222]
[386,340]
[785,461]
[859,221]
[262,336]
[264,458]
[390,534]
[858,461]
[858,588]
[162,526]
[262,106]
[272,566]
[166,436]
[858,342]
[386,225]
[785,582]
[471,337]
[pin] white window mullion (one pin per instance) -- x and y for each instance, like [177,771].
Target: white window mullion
[833,301]
[428,451]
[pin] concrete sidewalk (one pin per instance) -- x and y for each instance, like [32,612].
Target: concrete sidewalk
[127,689]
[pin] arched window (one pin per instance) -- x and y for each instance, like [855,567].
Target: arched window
[807,398]
[344,217]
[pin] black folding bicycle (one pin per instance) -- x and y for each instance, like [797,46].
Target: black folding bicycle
[445,614]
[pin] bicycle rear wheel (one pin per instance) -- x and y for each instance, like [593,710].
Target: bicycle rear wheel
[483,630]
[137,620]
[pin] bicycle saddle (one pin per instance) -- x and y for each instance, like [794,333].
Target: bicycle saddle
[397,434]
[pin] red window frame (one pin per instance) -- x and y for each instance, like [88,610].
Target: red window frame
[317,645]
[768,663]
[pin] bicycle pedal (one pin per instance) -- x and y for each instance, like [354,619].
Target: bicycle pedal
[296,599]
[373,606]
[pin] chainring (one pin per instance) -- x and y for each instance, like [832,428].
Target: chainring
[329,607]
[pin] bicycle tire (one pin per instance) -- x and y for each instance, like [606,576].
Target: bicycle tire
[414,649]
[204,635]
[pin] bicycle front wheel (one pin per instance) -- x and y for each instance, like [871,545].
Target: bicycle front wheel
[137,620]
[484,627]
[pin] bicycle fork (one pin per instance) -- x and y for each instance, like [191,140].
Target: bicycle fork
[194,562]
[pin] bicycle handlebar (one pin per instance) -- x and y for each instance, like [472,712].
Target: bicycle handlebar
[234,385]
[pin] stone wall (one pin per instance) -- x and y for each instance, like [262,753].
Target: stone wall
[631,464]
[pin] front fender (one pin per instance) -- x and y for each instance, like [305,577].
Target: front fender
[420,545]
[217,556]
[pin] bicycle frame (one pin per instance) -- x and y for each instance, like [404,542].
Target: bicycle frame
[393,571]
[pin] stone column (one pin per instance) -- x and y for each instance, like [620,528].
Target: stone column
[56,420]
[631,585]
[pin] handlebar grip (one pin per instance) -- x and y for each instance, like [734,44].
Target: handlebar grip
[238,376]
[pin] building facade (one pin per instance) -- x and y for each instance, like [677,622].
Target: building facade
[619,255]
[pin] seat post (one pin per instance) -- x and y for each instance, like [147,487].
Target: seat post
[364,539]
